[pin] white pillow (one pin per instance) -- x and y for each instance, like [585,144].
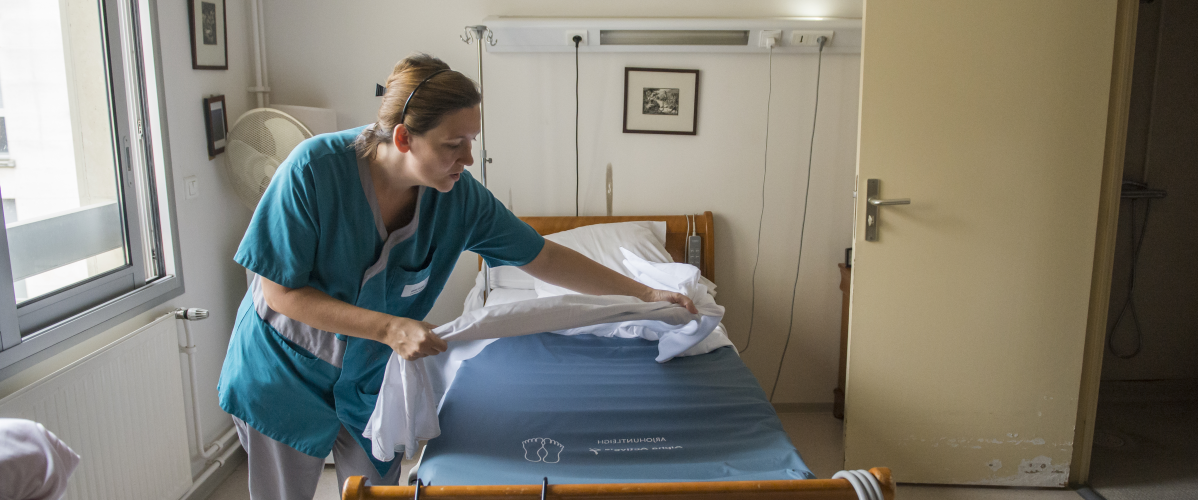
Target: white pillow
[601,243]
[512,278]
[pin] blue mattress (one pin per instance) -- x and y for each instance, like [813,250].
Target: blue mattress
[586,409]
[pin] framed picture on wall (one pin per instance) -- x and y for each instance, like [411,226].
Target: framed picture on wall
[209,47]
[661,101]
[216,122]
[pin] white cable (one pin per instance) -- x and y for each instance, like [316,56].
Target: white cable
[687,247]
[688,239]
[819,65]
[864,483]
[765,169]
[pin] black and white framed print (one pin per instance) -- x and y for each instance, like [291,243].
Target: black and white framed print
[216,122]
[661,101]
[209,47]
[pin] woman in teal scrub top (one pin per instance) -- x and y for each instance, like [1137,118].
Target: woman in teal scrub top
[350,246]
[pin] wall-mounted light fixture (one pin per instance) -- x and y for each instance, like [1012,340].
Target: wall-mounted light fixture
[516,34]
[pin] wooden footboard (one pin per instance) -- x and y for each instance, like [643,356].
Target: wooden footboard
[810,489]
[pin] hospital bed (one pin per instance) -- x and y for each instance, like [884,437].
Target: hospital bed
[550,416]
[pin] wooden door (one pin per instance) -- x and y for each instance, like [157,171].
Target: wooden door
[969,313]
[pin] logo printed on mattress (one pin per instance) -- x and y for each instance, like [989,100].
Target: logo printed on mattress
[542,450]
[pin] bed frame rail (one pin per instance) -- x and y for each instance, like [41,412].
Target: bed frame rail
[809,489]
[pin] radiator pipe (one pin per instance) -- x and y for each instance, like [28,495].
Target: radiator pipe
[261,88]
[214,464]
[189,348]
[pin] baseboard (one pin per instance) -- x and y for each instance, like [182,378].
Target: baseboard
[803,408]
[1148,391]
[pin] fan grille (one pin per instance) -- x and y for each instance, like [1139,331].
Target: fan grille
[258,143]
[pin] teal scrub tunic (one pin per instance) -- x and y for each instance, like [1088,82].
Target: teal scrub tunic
[319,225]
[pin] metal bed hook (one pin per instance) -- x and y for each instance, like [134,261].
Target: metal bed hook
[419,483]
[544,487]
[473,33]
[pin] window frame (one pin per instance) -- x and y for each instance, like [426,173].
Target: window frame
[6,160]
[45,326]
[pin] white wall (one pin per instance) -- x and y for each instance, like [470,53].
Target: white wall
[211,225]
[331,54]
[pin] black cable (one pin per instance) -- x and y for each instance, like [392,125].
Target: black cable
[1129,303]
[802,228]
[765,163]
[577,40]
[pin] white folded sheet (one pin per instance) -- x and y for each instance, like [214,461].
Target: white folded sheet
[405,411]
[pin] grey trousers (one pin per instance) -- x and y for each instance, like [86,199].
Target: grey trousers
[279,472]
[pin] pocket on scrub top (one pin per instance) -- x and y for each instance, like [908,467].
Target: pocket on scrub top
[406,288]
[292,349]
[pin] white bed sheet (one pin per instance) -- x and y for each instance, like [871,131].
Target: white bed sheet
[443,367]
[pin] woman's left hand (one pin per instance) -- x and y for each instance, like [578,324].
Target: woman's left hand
[654,295]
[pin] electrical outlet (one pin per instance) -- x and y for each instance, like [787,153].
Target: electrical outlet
[809,38]
[570,34]
[767,35]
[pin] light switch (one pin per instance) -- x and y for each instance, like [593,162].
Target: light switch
[191,186]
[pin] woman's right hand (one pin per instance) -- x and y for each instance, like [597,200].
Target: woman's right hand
[413,339]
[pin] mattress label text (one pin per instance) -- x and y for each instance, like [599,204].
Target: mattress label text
[633,440]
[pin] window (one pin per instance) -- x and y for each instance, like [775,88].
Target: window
[77,110]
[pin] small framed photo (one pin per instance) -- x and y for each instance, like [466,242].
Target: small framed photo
[209,47]
[661,101]
[216,122]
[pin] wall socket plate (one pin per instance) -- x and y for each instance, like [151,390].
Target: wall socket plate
[570,37]
[191,187]
[808,38]
[767,34]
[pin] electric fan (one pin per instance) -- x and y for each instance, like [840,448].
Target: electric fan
[258,143]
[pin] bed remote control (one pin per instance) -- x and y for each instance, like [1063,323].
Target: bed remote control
[696,250]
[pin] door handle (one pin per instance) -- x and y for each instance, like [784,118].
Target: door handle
[896,201]
[873,201]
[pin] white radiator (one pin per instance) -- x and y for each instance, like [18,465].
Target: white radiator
[121,409]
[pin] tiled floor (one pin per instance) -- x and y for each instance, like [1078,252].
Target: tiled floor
[819,443]
[1145,441]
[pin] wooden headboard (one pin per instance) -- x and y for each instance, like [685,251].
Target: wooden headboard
[676,227]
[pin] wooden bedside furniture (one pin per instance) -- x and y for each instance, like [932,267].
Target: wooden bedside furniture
[846,274]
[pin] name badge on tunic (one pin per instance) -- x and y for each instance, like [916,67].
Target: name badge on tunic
[410,290]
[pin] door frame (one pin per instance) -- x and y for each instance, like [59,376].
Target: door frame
[1127,14]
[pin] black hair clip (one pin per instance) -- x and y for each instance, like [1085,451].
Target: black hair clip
[544,488]
[379,90]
